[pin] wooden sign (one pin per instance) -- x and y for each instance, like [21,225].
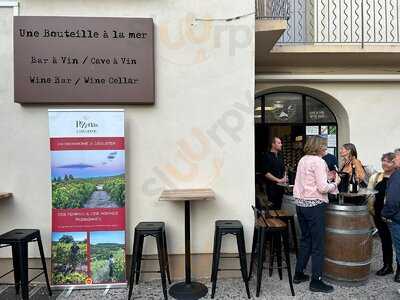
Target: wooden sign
[64,60]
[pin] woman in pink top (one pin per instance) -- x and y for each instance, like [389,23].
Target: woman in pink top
[311,190]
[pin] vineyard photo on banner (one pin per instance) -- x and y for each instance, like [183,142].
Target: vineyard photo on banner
[88,196]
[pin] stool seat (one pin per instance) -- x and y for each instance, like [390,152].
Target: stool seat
[17,235]
[275,223]
[144,226]
[270,223]
[280,213]
[228,224]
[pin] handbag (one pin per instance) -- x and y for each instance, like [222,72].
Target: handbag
[343,186]
[371,198]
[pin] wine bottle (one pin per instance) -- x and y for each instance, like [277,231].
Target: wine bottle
[353,184]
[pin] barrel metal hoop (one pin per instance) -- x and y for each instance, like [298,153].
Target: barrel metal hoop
[346,213]
[353,208]
[346,281]
[349,263]
[349,231]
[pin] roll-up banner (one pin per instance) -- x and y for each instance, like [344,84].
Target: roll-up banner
[88,196]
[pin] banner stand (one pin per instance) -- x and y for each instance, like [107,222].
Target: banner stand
[89,287]
[88,245]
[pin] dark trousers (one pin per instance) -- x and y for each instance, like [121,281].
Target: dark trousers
[312,226]
[386,240]
[275,195]
[395,233]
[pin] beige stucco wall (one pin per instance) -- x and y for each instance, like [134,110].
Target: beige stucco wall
[367,113]
[198,134]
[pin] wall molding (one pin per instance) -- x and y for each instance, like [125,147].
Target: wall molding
[11,4]
[328,77]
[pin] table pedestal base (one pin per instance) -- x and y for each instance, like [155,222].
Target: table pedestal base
[188,291]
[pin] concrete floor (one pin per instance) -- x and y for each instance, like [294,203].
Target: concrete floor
[272,288]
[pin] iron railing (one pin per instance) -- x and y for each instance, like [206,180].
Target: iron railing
[272,9]
[343,21]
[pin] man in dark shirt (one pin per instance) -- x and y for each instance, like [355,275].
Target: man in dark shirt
[331,161]
[391,210]
[274,170]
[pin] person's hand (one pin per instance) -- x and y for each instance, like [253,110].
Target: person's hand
[281,180]
[331,175]
[337,179]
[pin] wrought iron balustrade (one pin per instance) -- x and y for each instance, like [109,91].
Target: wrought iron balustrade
[272,9]
[343,21]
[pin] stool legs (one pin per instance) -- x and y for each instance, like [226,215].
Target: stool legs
[216,263]
[40,245]
[278,251]
[242,256]
[23,269]
[272,253]
[138,261]
[260,259]
[214,256]
[253,251]
[16,262]
[19,239]
[133,263]
[289,220]
[276,237]
[287,257]
[218,235]
[166,257]
[161,256]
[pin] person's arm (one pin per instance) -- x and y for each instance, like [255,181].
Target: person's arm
[392,201]
[360,172]
[321,178]
[273,178]
[267,170]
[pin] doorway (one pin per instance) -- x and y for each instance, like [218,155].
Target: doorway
[291,116]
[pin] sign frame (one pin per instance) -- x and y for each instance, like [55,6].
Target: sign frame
[83,60]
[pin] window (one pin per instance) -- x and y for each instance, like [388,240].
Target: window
[283,108]
[316,112]
[293,117]
[258,110]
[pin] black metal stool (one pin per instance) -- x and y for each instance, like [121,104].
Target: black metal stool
[278,230]
[223,228]
[18,239]
[156,230]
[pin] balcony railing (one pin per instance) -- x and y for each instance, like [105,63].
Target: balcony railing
[343,21]
[272,9]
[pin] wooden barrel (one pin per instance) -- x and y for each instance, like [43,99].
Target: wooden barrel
[348,243]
